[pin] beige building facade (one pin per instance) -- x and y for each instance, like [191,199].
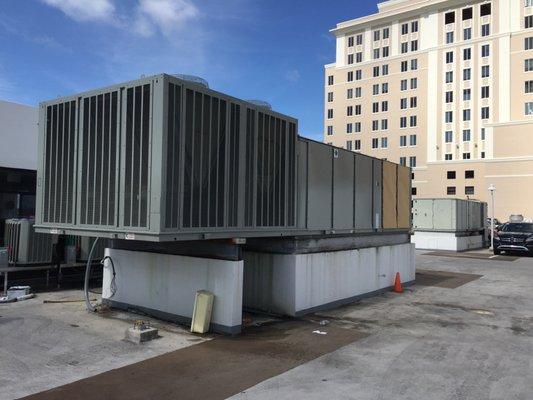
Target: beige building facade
[442,86]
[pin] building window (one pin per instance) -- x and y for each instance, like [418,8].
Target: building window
[414,64]
[405,29]
[403,84]
[375,143]
[485,30]
[349,76]
[386,33]
[403,66]
[403,104]
[528,43]
[350,41]
[485,10]
[449,77]
[384,143]
[403,161]
[528,3]
[412,161]
[469,190]
[467,94]
[528,67]
[358,75]
[485,50]
[349,128]
[529,108]
[330,130]
[466,135]
[485,113]
[449,37]
[449,97]
[412,140]
[358,57]
[482,154]
[528,22]
[348,145]
[375,107]
[467,33]
[449,57]
[482,133]
[386,51]
[403,141]
[358,92]
[357,145]
[384,106]
[349,93]
[485,92]
[330,80]
[470,174]
[376,35]
[449,117]
[413,191]
[466,156]
[350,58]
[414,45]
[349,111]
[376,54]
[357,127]
[449,18]
[403,122]
[450,190]
[376,71]
[414,102]
[466,115]
[448,136]
[358,109]
[413,121]
[385,69]
[375,125]
[359,39]
[330,97]
[330,113]
[450,174]
[375,90]
[414,83]
[414,26]
[405,47]
[467,74]
[448,157]
[384,124]
[467,14]
[467,54]
[384,88]
[485,71]
[529,86]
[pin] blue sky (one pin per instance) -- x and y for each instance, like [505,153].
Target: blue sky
[266,49]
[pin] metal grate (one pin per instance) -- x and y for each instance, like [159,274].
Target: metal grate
[204,167]
[60,142]
[173,156]
[275,171]
[24,245]
[99,157]
[136,168]
[249,168]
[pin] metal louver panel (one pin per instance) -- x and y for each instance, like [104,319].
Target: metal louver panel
[59,162]
[99,157]
[173,156]
[136,167]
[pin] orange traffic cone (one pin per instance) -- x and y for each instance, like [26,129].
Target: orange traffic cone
[397,284]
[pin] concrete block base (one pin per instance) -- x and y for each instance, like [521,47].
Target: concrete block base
[165,286]
[137,336]
[297,284]
[446,241]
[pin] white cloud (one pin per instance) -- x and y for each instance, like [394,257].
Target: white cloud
[85,10]
[168,16]
[293,75]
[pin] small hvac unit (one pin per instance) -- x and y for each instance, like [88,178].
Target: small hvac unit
[24,245]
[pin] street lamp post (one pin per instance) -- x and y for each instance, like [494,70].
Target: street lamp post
[492,189]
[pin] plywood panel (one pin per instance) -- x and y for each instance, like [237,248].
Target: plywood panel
[390,220]
[404,197]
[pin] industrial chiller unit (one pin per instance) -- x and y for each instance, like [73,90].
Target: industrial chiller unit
[169,169]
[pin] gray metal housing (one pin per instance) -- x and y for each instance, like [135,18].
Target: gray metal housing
[24,245]
[449,215]
[164,159]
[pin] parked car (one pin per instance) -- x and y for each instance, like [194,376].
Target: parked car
[514,236]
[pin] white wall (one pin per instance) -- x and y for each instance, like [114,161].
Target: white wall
[18,135]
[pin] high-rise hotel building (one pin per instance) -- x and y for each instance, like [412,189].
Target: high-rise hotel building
[445,87]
